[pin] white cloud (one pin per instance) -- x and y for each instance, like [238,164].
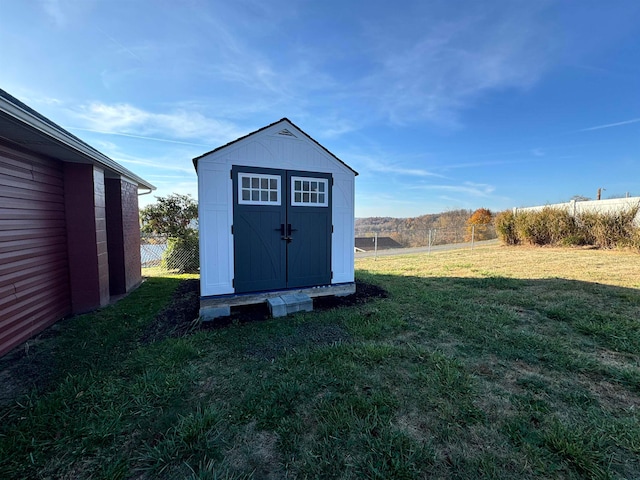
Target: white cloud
[468,188]
[54,10]
[126,119]
[154,163]
[142,137]
[610,125]
[382,164]
[449,64]
[537,152]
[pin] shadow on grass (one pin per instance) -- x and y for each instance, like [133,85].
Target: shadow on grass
[91,341]
[451,377]
[476,309]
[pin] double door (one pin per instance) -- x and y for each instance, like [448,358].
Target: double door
[281,229]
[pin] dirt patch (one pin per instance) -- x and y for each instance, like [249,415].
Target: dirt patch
[365,292]
[29,366]
[610,395]
[180,316]
[256,451]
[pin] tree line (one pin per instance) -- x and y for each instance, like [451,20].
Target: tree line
[453,226]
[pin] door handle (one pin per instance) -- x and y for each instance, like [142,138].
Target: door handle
[286,237]
[289,229]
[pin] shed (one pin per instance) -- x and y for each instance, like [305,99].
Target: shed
[69,224]
[276,214]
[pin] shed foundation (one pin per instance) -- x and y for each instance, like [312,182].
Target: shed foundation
[287,301]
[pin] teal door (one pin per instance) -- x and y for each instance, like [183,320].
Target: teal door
[281,229]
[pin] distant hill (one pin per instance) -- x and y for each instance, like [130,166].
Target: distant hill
[411,231]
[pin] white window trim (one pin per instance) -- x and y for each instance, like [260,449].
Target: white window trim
[261,176]
[310,204]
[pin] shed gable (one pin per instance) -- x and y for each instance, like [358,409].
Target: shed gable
[283,129]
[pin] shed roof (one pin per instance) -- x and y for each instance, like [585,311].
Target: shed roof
[21,124]
[369,243]
[284,119]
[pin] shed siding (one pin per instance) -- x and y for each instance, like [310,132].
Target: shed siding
[266,149]
[34,278]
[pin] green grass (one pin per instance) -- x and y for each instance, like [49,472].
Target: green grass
[493,363]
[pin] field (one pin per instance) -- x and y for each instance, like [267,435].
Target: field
[501,362]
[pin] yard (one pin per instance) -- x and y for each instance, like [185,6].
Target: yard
[494,363]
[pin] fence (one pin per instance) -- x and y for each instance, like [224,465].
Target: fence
[574,207]
[400,241]
[165,254]
[162,254]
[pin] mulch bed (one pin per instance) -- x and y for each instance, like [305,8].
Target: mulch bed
[180,317]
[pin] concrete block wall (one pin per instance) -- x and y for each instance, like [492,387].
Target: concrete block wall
[131,234]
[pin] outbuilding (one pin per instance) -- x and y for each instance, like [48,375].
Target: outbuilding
[69,224]
[276,215]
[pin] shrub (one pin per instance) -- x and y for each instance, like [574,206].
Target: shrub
[506,227]
[556,226]
[530,228]
[559,223]
[182,254]
[609,230]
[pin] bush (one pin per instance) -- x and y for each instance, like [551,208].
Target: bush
[506,227]
[556,226]
[531,228]
[609,230]
[182,254]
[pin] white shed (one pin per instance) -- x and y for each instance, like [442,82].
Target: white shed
[276,215]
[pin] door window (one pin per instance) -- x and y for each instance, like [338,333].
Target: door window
[258,189]
[309,192]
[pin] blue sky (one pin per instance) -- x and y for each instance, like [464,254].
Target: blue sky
[438,104]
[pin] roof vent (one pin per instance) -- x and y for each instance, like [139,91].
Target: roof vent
[286,133]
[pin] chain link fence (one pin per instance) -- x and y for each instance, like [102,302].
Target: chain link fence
[162,254]
[407,240]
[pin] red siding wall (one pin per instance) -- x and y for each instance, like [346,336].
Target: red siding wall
[87,236]
[117,283]
[34,278]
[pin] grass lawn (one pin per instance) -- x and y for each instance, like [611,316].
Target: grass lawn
[494,363]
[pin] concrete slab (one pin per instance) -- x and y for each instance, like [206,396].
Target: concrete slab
[297,302]
[234,300]
[277,307]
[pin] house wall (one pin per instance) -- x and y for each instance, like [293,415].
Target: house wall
[131,234]
[34,277]
[115,244]
[123,235]
[270,150]
[86,236]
